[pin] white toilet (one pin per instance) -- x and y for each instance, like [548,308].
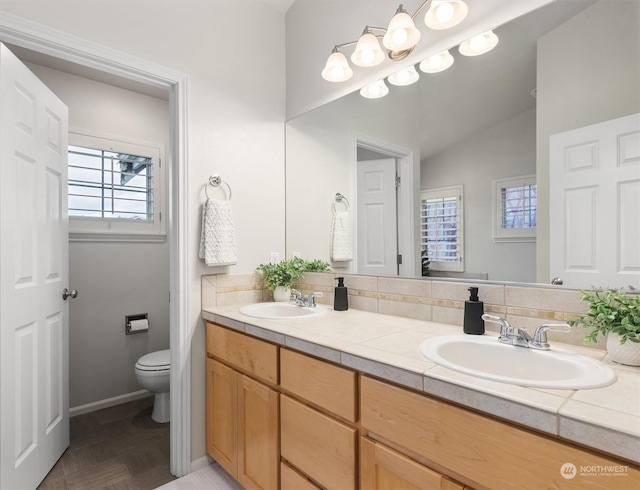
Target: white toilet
[152,373]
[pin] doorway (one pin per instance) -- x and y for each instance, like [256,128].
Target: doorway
[399,201]
[115,65]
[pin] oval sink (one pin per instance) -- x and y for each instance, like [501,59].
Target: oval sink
[274,311]
[485,357]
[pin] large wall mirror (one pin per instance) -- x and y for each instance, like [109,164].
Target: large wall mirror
[569,64]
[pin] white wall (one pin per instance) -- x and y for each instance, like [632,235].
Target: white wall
[236,113]
[505,150]
[314,27]
[113,279]
[602,68]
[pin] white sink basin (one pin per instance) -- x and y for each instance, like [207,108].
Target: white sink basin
[485,357]
[280,310]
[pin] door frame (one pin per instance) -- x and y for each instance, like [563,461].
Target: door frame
[405,196]
[58,44]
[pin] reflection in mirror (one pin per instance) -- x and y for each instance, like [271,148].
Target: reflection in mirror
[486,119]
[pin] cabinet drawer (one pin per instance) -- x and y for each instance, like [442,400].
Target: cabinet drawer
[491,453]
[251,355]
[290,479]
[326,385]
[318,445]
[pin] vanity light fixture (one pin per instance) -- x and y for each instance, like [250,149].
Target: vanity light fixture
[337,68]
[368,51]
[480,44]
[375,90]
[404,77]
[399,38]
[437,63]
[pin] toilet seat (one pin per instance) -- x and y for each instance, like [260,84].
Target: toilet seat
[155,361]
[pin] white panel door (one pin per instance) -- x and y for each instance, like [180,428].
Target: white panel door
[377,215]
[34,344]
[595,205]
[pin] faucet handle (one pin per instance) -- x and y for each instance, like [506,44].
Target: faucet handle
[312,298]
[540,335]
[505,328]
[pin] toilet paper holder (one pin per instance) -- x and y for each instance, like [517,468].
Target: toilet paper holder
[130,318]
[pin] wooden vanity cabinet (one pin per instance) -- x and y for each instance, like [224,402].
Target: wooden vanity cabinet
[242,411]
[476,449]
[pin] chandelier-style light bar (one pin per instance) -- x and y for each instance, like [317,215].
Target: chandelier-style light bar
[399,38]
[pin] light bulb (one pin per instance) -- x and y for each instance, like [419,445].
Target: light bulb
[406,76]
[478,43]
[367,56]
[375,90]
[444,12]
[399,36]
[437,63]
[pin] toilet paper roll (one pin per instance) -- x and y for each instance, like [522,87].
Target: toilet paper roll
[138,325]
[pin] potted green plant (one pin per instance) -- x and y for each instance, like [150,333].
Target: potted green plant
[615,315]
[280,277]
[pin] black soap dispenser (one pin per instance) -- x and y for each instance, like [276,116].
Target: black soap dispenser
[473,310]
[340,299]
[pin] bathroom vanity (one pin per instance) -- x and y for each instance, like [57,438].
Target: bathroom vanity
[344,401]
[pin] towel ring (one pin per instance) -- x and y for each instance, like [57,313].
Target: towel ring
[215,181]
[343,200]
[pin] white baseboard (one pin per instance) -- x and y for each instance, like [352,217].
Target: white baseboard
[202,462]
[109,402]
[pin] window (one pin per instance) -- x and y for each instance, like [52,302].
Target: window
[441,228]
[514,204]
[115,188]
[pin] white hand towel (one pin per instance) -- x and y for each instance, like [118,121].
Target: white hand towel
[218,236]
[341,242]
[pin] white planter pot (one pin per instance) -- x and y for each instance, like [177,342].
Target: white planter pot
[628,353]
[280,293]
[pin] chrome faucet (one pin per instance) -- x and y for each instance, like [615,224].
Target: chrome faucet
[304,301]
[520,337]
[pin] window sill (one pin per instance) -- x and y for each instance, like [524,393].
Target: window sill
[117,237]
[515,239]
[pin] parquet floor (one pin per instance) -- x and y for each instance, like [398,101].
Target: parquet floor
[119,447]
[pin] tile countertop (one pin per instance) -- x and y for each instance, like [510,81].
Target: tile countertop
[387,347]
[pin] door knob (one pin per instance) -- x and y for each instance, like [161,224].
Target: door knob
[66,293]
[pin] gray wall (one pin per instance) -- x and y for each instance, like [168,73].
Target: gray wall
[112,279]
[505,150]
[584,80]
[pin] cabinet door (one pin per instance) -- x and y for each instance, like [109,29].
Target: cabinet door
[222,415]
[382,468]
[258,429]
